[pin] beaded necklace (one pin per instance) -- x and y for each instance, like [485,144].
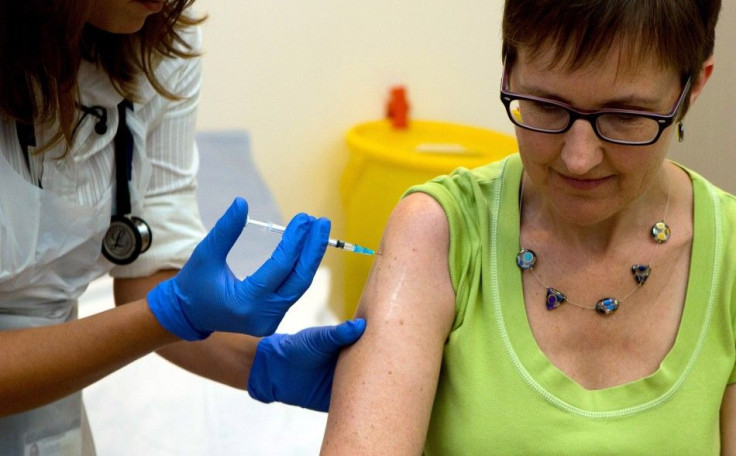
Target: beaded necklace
[526,259]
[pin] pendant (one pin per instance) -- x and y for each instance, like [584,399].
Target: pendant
[526,259]
[660,232]
[606,306]
[554,299]
[641,273]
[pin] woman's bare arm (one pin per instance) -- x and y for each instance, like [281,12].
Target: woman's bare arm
[385,384]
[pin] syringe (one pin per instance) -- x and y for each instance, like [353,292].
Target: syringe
[331,242]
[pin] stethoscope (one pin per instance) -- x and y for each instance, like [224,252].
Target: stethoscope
[127,236]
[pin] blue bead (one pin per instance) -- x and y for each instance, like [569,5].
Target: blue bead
[606,306]
[641,273]
[526,259]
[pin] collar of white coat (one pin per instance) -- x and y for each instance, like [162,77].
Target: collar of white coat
[96,89]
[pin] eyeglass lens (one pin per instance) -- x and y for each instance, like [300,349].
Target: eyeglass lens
[548,117]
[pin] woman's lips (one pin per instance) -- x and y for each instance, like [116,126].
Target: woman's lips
[584,184]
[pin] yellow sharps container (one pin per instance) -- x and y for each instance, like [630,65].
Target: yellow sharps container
[384,162]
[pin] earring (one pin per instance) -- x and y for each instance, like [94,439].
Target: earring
[680,132]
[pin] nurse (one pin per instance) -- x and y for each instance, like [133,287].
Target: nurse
[97,175]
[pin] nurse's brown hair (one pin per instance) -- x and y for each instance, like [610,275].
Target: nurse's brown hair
[42,43]
[678,34]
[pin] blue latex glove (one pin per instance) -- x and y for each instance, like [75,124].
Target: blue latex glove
[205,296]
[298,369]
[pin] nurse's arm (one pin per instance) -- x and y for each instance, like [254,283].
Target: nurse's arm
[223,357]
[41,365]
[385,383]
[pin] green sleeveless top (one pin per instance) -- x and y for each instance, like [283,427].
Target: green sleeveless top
[499,394]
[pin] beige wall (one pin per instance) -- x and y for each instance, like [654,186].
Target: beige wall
[297,74]
[710,145]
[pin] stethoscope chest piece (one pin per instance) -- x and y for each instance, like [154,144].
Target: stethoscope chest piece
[126,238]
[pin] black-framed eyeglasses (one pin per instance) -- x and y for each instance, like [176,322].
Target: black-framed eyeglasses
[620,126]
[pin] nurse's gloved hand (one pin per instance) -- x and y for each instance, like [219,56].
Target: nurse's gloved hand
[205,296]
[298,369]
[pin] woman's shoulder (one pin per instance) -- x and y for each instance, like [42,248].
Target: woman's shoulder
[485,174]
[462,181]
[707,192]
[714,213]
[421,209]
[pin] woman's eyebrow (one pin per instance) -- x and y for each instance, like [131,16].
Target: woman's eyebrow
[630,100]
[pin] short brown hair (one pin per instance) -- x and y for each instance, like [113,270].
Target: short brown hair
[42,43]
[679,34]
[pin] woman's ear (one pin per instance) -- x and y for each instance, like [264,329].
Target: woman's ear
[703,77]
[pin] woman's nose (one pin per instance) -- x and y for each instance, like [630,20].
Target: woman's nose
[581,149]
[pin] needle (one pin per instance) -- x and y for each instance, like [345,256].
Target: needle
[332,242]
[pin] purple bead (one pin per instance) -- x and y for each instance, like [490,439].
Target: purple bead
[554,299]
